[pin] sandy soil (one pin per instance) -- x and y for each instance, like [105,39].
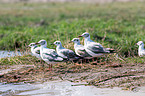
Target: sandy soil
[127,76]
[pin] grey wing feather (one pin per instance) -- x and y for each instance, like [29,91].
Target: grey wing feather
[96,48]
[63,53]
[83,53]
[47,56]
[71,54]
[51,55]
[68,53]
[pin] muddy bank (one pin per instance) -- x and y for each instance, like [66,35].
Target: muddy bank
[107,74]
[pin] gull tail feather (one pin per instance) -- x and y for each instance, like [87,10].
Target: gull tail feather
[109,50]
[58,59]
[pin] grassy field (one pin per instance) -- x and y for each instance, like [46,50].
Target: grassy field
[123,24]
[115,25]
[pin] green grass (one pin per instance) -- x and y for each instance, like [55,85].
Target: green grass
[123,24]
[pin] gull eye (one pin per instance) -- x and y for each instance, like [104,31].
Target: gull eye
[43,42]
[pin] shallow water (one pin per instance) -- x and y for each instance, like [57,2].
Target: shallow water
[4,54]
[63,88]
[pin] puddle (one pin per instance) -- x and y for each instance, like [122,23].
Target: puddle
[4,54]
[63,88]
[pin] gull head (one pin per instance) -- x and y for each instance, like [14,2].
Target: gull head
[42,42]
[32,45]
[57,43]
[75,40]
[85,35]
[140,43]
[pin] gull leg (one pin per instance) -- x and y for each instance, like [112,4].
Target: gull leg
[95,62]
[82,61]
[85,61]
[42,63]
[75,63]
[51,67]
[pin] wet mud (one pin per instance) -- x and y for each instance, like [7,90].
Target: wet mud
[102,75]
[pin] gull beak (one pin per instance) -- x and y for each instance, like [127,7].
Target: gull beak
[27,46]
[135,43]
[52,44]
[70,42]
[80,36]
[37,43]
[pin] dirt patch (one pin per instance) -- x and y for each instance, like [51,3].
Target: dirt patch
[103,75]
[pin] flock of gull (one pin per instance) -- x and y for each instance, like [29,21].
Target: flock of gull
[89,50]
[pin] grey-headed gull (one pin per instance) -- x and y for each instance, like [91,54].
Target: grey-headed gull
[93,48]
[80,49]
[48,55]
[35,50]
[64,53]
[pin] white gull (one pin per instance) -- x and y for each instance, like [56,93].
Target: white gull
[93,48]
[48,55]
